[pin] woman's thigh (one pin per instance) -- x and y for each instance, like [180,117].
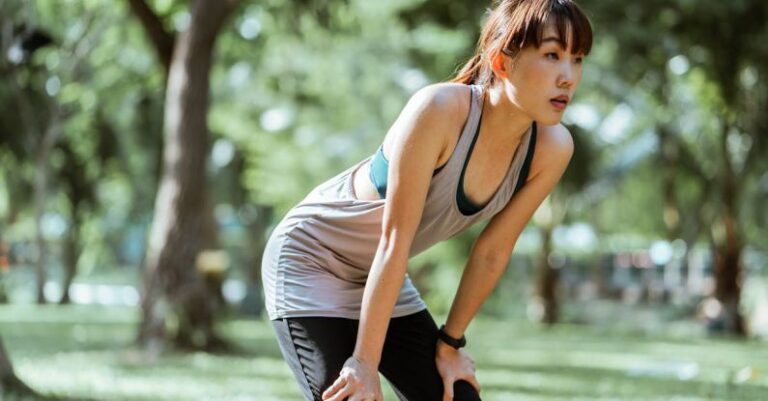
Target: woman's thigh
[315,348]
[408,361]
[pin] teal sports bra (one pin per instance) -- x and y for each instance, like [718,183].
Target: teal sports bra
[379,167]
[378,171]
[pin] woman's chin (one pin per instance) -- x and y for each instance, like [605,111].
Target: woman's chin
[550,120]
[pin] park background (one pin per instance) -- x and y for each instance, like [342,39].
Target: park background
[147,148]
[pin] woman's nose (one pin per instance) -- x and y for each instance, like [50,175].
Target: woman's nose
[565,78]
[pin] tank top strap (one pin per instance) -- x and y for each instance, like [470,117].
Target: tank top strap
[472,125]
[469,131]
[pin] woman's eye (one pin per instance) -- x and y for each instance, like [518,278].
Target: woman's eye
[579,60]
[552,56]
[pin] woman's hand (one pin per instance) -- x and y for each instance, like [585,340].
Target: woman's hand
[358,381]
[454,365]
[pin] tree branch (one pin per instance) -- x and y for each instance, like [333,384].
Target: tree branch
[161,39]
[209,15]
[688,160]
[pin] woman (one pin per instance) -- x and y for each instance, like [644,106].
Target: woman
[487,145]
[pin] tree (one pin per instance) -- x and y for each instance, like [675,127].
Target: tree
[183,224]
[556,210]
[40,117]
[37,116]
[714,55]
[80,192]
[10,384]
[733,36]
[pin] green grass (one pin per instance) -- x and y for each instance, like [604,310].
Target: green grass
[86,352]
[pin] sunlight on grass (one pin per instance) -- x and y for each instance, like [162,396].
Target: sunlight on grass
[88,352]
[119,375]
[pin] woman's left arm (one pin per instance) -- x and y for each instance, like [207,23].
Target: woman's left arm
[493,247]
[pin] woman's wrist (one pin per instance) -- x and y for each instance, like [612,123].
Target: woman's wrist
[446,338]
[444,349]
[365,359]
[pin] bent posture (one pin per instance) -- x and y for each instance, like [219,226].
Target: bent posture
[488,145]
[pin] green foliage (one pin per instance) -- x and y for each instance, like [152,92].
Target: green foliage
[305,89]
[312,93]
[96,77]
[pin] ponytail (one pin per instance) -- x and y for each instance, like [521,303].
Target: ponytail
[469,74]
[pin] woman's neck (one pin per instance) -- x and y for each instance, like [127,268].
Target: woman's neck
[502,119]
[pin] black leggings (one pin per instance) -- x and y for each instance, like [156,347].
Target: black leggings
[317,347]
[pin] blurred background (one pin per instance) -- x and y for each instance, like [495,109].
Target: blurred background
[147,148]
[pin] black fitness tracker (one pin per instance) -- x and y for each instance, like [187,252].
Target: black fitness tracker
[453,342]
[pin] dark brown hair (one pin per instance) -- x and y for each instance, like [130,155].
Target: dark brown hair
[515,24]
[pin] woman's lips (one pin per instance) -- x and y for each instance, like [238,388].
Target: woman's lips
[558,104]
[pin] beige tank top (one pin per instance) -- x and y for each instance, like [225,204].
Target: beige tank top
[318,257]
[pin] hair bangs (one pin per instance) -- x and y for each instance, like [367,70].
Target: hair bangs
[572,27]
[570,23]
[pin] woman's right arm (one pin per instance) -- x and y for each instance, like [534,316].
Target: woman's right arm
[420,135]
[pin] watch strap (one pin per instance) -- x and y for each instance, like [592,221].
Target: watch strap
[453,342]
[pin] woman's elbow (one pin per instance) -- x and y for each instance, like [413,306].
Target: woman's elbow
[393,244]
[494,261]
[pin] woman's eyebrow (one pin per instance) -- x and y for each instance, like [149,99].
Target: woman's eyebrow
[553,39]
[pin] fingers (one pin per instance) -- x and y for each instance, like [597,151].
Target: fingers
[334,388]
[470,378]
[348,393]
[339,395]
[448,389]
[350,388]
[364,398]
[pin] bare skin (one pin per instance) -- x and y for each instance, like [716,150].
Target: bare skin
[484,173]
[422,139]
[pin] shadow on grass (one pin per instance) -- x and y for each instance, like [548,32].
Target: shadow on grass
[13,396]
[557,381]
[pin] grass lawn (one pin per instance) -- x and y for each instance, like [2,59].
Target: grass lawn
[86,352]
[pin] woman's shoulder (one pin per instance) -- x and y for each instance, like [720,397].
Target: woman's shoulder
[554,147]
[556,138]
[445,90]
[431,118]
[446,99]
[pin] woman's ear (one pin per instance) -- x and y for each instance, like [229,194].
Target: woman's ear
[499,65]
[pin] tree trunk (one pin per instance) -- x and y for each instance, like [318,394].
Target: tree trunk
[547,280]
[257,218]
[668,159]
[41,186]
[9,382]
[253,303]
[728,274]
[47,143]
[71,254]
[728,287]
[5,265]
[176,305]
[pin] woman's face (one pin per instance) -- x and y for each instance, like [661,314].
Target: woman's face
[541,81]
